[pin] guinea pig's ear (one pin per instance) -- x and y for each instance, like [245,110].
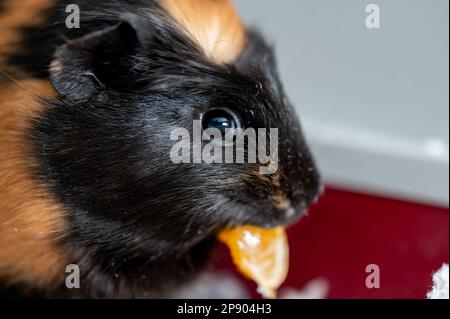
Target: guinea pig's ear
[76,71]
[259,55]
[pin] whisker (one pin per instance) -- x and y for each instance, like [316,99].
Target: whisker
[18,83]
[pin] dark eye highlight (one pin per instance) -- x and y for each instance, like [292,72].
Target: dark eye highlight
[221,119]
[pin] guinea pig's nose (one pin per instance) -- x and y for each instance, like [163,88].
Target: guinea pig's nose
[290,212]
[285,206]
[305,196]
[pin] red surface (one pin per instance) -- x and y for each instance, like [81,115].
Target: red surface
[346,232]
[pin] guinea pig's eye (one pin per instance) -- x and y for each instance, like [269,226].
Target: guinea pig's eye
[221,119]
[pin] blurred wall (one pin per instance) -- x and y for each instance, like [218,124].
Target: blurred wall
[374,102]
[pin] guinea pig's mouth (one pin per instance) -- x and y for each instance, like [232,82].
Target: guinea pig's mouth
[281,212]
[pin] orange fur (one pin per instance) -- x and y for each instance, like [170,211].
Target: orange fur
[213,24]
[30,220]
[17,14]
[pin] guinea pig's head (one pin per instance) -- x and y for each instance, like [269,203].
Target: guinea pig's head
[106,142]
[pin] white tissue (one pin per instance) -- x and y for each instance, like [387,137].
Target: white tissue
[440,284]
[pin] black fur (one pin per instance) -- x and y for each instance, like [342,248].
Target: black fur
[140,224]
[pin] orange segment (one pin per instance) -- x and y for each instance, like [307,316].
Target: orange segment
[260,254]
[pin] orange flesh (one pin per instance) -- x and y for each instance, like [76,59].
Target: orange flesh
[260,254]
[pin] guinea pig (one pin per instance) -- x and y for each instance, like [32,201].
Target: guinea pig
[86,116]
